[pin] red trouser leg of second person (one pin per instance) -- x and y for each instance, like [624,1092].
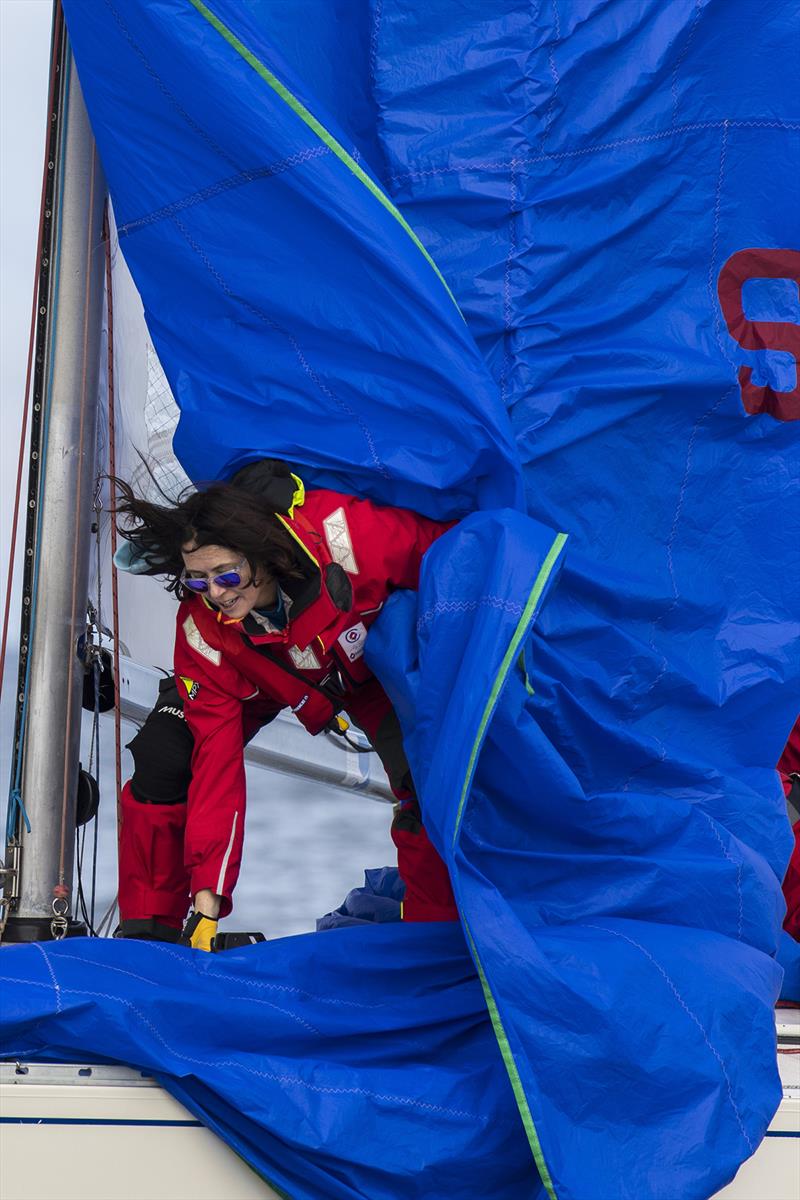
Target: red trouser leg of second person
[153,881]
[429,896]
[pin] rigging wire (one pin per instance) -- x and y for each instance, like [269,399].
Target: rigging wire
[112,469]
[107,919]
[98,664]
[95,619]
[46,169]
[94,749]
[80,842]
[80,832]
[94,659]
[93,656]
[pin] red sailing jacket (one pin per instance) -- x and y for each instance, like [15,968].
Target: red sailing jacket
[789,767]
[235,676]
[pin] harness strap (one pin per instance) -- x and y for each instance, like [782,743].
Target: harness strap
[334,696]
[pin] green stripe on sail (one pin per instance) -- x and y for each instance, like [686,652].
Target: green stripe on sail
[508,659]
[511,1068]
[321,132]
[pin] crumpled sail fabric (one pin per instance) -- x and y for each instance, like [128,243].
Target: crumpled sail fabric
[215,172]
[306,1055]
[439,254]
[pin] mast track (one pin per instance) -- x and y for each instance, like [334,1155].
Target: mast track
[45,291]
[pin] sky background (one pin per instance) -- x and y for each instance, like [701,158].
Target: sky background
[24,58]
[24,55]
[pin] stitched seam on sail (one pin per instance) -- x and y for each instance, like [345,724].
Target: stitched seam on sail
[162,87]
[223,185]
[232,1064]
[687,469]
[293,342]
[464,606]
[643,139]
[692,1016]
[287,1012]
[319,130]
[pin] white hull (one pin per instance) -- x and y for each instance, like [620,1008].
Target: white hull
[773,1173]
[107,1133]
[111,1135]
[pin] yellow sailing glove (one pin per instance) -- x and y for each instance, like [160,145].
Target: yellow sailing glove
[199,932]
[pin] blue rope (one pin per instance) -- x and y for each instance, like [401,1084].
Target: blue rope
[16,805]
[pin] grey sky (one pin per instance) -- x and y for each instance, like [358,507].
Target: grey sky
[24,54]
[24,47]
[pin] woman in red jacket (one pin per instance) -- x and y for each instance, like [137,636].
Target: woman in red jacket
[278,589]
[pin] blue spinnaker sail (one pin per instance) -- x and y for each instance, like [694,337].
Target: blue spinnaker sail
[449,257]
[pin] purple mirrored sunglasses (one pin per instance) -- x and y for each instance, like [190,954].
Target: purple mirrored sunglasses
[228,579]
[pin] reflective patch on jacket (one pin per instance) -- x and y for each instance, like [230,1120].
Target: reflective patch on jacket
[196,640]
[337,535]
[304,660]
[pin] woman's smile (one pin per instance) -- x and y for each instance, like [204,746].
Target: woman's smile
[209,562]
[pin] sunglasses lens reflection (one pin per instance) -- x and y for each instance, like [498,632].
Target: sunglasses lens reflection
[230,579]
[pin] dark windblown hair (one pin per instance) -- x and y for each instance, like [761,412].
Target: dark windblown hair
[220,514]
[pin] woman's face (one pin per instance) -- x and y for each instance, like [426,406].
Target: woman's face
[207,562]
